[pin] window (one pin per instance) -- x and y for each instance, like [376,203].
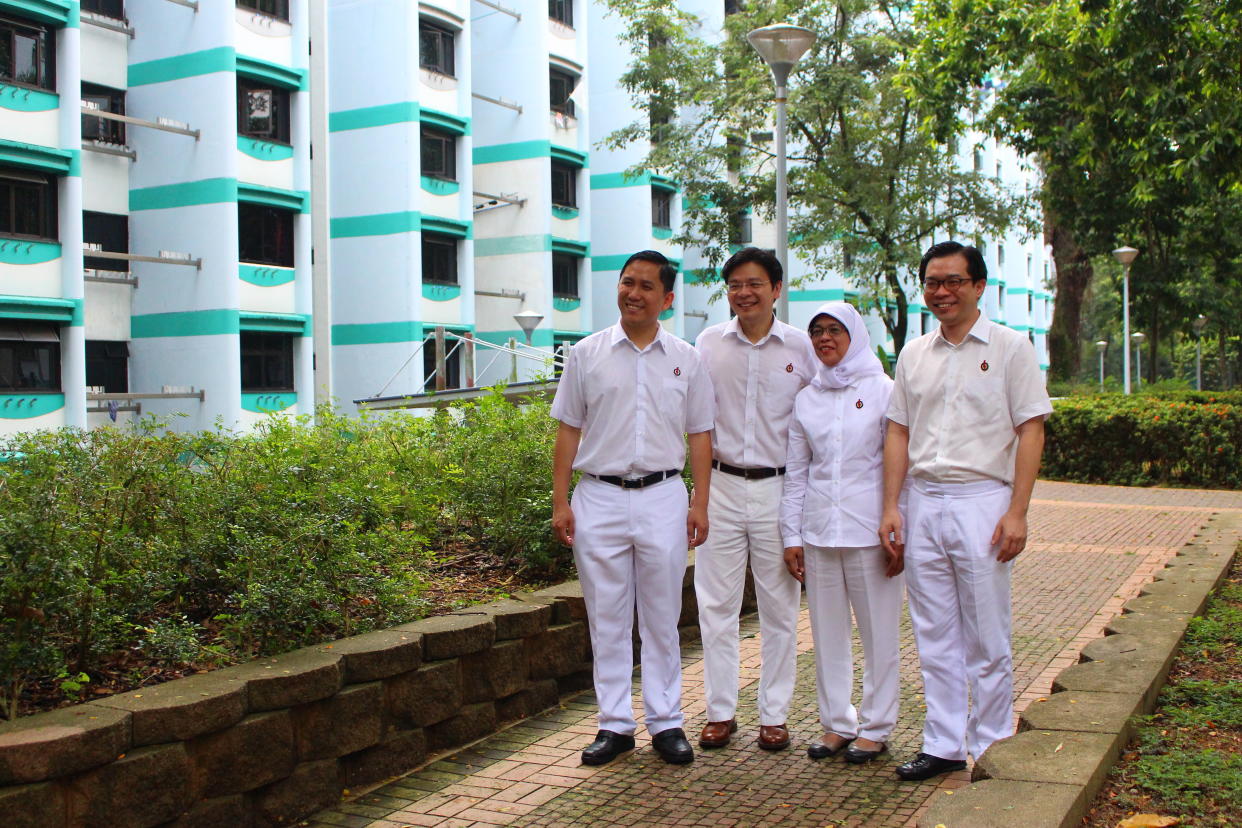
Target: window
[435,48]
[925,319]
[27,204]
[564,185]
[439,154]
[111,233]
[264,235]
[262,110]
[560,86]
[452,363]
[565,275]
[107,366]
[108,8]
[272,8]
[661,208]
[27,54]
[562,11]
[266,361]
[978,160]
[29,356]
[439,259]
[105,99]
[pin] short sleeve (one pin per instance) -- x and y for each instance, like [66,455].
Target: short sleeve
[569,405]
[1024,386]
[700,400]
[897,410]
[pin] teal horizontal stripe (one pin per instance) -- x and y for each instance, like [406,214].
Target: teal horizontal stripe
[517,151]
[283,76]
[269,401]
[564,213]
[510,245]
[611,181]
[446,121]
[39,307]
[571,246]
[17,252]
[1018,291]
[38,157]
[447,226]
[613,263]
[379,224]
[265,275]
[373,116]
[220,59]
[661,233]
[441,293]
[438,186]
[184,194]
[564,304]
[297,324]
[828,295]
[297,200]
[263,150]
[377,333]
[25,406]
[540,338]
[21,99]
[662,183]
[571,156]
[184,323]
[56,12]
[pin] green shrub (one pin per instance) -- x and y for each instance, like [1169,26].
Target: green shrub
[1183,438]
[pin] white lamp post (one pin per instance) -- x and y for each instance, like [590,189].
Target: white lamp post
[1125,255]
[1138,337]
[781,46]
[1200,323]
[1101,346]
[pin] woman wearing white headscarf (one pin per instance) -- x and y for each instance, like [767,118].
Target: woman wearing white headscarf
[830,515]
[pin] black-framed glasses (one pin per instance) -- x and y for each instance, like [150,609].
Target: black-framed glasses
[952,283]
[736,287]
[832,330]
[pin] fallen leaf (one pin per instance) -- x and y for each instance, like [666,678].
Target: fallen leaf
[1058,747]
[1148,821]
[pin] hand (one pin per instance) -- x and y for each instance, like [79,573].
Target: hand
[563,523]
[1010,534]
[795,562]
[893,541]
[696,525]
[895,562]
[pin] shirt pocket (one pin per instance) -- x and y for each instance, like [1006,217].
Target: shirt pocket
[673,394]
[781,385]
[983,395]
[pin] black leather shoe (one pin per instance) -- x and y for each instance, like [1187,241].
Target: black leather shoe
[606,747]
[672,746]
[818,750]
[857,756]
[925,766]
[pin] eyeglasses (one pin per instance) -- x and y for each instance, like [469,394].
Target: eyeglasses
[832,330]
[736,287]
[952,283]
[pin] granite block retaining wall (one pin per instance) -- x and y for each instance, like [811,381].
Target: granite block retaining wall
[268,742]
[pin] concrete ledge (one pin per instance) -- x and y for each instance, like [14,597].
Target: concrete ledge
[1004,803]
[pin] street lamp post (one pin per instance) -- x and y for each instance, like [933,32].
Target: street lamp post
[1200,323]
[1138,337]
[1125,255]
[1101,346]
[781,46]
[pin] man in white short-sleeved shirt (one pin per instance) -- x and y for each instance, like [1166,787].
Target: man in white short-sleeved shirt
[626,401]
[758,364]
[966,419]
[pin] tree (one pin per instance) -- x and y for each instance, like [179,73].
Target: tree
[867,189]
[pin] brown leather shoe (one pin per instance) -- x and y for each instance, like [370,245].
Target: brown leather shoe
[773,737]
[716,734]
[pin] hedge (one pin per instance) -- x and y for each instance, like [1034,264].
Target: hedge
[1182,438]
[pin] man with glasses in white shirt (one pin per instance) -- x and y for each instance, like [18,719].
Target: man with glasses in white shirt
[758,364]
[966,419]
[626,401]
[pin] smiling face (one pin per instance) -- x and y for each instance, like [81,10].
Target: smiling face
[752,294]
[955,308]
[830,339]
[640,294]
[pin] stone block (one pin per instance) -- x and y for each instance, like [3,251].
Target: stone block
[215,813]
[517,619]
[576,681]
[544,695]
[1003,803]
[351,720]
[569,594]
[400,752]
[559,651]
[430,694]
[501,670]
[1153,647]
[376,655]
[179,710]
[1183,603]
[1056,756]
[448,636]
[473,722]
[311,787]
[288,680]
[33,806]
[1144,624]
[1123,674]
[255,752]
[1082,712]
[514,707]
[149,786]
[61,742]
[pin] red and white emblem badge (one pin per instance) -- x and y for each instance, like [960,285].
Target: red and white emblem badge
[983,366]
[789,368]
[677,372]
[858,404]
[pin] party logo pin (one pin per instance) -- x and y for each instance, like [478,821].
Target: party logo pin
[677,372]
[983,366]
[858,404]
[789,368]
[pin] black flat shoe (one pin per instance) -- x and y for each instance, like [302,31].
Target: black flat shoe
[857,756]
[672,746]
[606,747]
[819,750]
[925,766]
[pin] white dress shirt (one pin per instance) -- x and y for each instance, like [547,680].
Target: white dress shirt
[634,406]
[962,403]
[755,387]
[834,478]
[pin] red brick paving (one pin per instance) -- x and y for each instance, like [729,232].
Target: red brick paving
[1091,549]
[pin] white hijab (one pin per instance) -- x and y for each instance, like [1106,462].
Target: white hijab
[859,361]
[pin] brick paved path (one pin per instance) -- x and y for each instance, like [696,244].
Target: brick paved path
[1091,548]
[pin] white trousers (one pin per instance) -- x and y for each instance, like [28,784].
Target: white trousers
[630,548]
[744,516]
[836,580]
[960,611]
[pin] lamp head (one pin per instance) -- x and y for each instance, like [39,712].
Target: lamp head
[1125,255]
[1200,323]
[528,320]
[1138,337]
[1101,345]
[781,46]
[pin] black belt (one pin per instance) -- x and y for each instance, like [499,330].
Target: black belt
[639,482]
[749,474]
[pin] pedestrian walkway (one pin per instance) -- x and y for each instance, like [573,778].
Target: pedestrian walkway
[1090,549]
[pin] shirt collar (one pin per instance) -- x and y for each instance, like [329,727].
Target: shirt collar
[618,336]
[777,330]
[981,330]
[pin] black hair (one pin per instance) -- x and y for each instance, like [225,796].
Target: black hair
[668,273]
[759,256]
[975,266]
